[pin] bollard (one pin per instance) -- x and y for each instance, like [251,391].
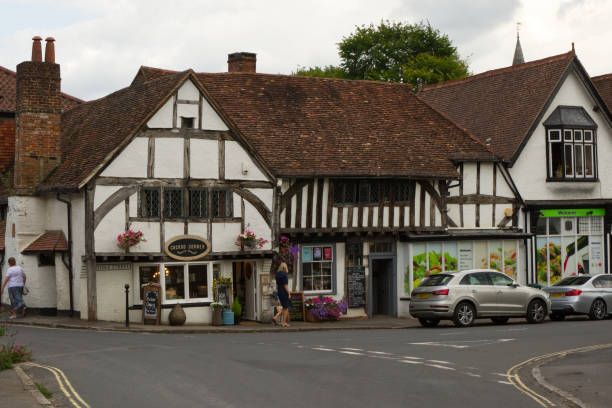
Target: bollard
[127,308]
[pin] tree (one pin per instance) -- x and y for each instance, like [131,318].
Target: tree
[395,52]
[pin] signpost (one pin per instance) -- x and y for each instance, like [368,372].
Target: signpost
[356,282]
[151,310]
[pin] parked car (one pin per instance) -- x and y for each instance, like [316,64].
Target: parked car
[468,295]
[583,294]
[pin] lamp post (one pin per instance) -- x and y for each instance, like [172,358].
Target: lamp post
[127,308]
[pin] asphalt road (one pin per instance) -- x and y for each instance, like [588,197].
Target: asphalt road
[416,367]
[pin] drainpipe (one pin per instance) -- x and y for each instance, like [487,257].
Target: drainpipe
[1,263]
[69,263]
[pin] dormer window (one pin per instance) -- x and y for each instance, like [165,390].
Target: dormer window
[571,145]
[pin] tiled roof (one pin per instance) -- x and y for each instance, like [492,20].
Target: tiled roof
[501,106]
[2,232]
[603,83]
[304,127]
[50,241]
[8,93]
[7,144]
[93,130]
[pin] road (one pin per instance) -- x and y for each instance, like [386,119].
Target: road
[418,367]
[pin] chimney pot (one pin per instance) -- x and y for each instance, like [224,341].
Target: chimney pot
[36,49]
[241,62]
[50,50]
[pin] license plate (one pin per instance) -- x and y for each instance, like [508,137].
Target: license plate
[556,295]
[423,295]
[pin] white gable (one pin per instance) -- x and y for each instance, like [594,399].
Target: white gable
[131,162]
[210,119]
[239,165]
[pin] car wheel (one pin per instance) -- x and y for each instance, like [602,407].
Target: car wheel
[557,317]
[598,310]
[500,320]
[536,311]
[464,314]
[429,322]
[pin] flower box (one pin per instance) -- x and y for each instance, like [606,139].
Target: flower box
[324,308]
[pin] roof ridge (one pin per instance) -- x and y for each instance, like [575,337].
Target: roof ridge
[8,71]
[500,71]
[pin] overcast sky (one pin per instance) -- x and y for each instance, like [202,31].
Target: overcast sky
[101,44]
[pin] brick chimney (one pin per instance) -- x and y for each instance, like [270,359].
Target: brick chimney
[241,62]
[38,115]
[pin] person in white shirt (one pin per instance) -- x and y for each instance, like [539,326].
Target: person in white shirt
[15,281]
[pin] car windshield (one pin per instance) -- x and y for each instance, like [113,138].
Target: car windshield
[573,281]
[438,279]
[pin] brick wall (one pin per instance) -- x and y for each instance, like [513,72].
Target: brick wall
[38,114]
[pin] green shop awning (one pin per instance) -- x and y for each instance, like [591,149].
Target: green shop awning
[578,212]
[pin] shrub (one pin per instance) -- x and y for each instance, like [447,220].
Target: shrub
[326,308]
[12,354]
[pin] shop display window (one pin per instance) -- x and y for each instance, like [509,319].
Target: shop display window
[568,246]
[182,281]
[317,268]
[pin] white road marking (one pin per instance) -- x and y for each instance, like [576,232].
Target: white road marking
[473,375]
[352,353]
[439,361]
[517,329]
[453,332]
[435,343]
[505,382]
[505,340]
[501,375]
[440,366]
[379,352]
[414,358]
[350,349]
[300,346]
[323,349]
[410,362]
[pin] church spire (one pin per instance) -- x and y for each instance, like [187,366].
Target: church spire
[518,51]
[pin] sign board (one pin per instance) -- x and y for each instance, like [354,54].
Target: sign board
[151,310]
[297,306]
[187,248]
[580,212]
[356,286]
[224,294]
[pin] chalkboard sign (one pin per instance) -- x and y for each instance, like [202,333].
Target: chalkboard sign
[151,304]
[297,306]
[356,282]
[224,294]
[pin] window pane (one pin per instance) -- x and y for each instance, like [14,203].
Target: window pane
[338,192]
[567,136]
[556,160]
[435,258]
[510,258]
[542,260]
[147,275]
[175,282]
[579,161]
[386,191]
[222,203]
[374,190]
[199,203]
[596,225]
[583,225]
[569,168]
[198,281]
[541,226]
[350,192]
[500,280]
[554,136]
[173,203]
[364,192]
[588,161]
[149,203]
[495,255]
[588,135]
[577,135]
[402,192]
[554,226]
[419,263]
[450,256]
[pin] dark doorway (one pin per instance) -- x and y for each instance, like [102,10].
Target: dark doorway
[382,287]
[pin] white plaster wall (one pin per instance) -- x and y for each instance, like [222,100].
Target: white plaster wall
[150,230]
[503,188]
[469,215]
[163,117]
[210,119]
[469,178]
[403,257]
[131,162]
[102,193]
[189,92]
[187,110]
[78,249]
[204,159]
[109,228]
[529,171]
[325,203]
[266,195]
[486,178]
[199,229]
[486,212]
[134,205]
[235,156]
[173,229]
[169,154]
[62,284]
[224,235]
[340,270]
[255,222]
[417,205]
[111,294]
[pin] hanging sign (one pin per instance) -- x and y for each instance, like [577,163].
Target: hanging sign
[579,212]
[187,248]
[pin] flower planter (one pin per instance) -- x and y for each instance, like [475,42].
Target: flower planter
[228,318]
[310,317]
[177,316]
[217,317]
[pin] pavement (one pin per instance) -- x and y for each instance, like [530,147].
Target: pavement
[18,391]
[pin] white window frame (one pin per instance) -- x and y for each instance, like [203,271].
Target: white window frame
[334,274]
[162,282]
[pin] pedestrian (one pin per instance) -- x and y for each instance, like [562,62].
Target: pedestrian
[282,287]
[15,281]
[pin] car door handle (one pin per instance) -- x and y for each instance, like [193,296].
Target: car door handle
[474,291]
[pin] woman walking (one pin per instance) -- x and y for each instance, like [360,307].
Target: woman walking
[15,281]
[282,287]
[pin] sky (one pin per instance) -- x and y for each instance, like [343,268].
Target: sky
[101,44]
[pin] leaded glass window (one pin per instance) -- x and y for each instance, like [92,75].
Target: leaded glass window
[150,203]
[173,203]
[198,199]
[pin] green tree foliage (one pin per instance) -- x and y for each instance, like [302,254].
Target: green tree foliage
[395,52]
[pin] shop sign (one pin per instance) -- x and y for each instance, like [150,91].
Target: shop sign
[187,248]
[580,212]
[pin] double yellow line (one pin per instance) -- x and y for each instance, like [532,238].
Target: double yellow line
[515,379]
[64,385]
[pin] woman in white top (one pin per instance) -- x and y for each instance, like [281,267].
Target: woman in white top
[15,281]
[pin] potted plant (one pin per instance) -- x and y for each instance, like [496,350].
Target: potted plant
[237,309]
[129,238]
[324,308]
[217,313]
[249,240]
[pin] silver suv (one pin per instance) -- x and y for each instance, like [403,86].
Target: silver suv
[468,295]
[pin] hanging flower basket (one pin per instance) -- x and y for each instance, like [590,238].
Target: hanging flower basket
[248,240]
[130,238]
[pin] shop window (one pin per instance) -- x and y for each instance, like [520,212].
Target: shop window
[147,275]
[173,203]
[150,202]
[46,259]
[317,268]
[198,281]
[367,192]
[185,282]
[175,281]
[198,202]
[222,203]
[354,254]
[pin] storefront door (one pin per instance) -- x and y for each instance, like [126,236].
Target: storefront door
[382,287]
[250,312]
